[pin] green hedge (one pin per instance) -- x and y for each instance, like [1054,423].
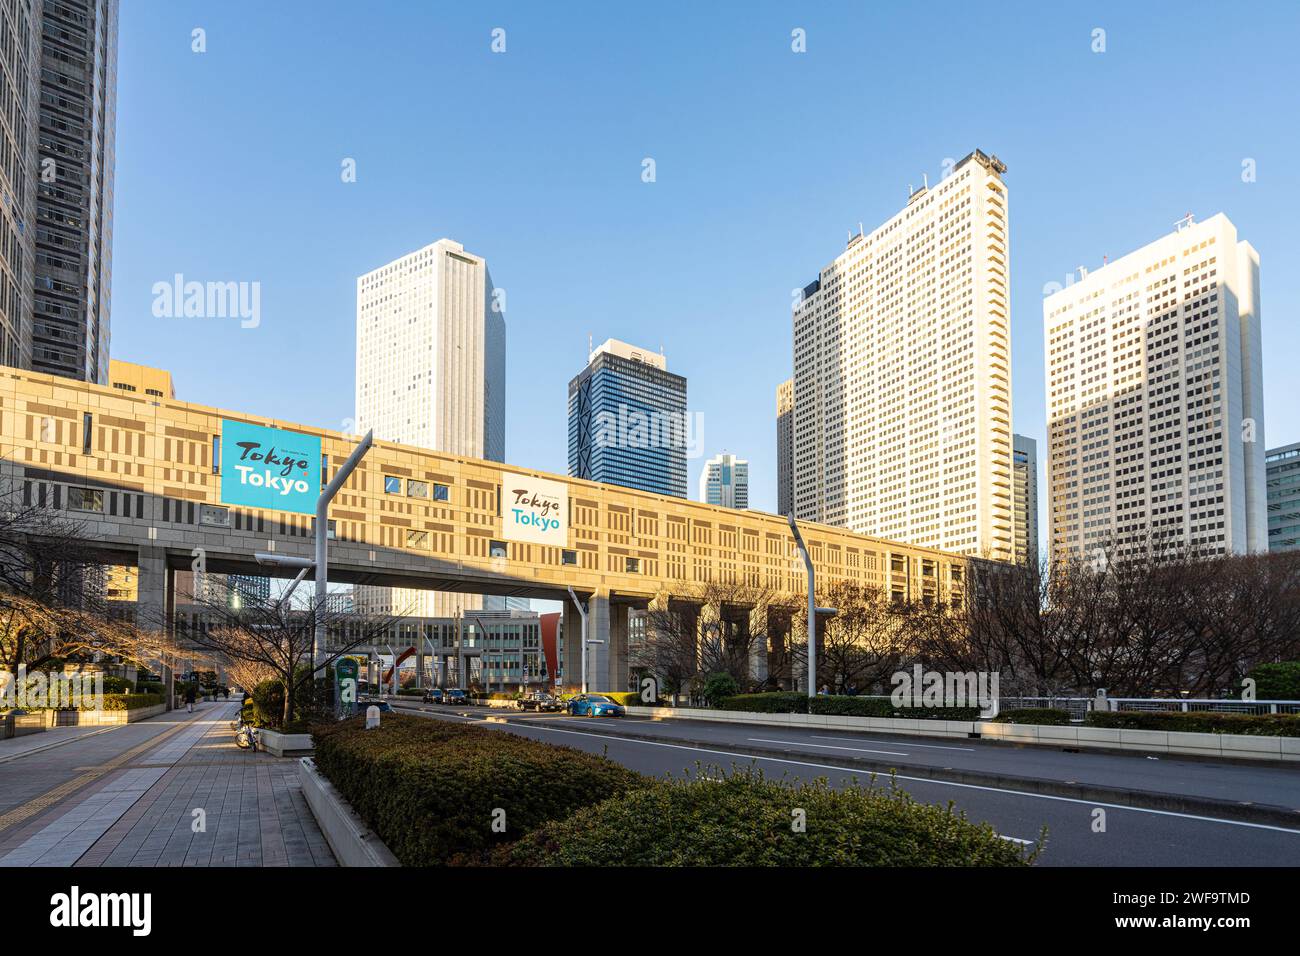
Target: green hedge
[429,788]
[628,698]
[781,702]
[1198,722]
[130,701]
[1042,716]
[746,820]
[410,692]
[786,702]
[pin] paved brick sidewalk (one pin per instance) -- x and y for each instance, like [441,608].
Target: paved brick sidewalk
[250,809]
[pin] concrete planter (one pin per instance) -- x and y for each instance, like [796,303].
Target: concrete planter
[353,843]
[98,718]
[284,745]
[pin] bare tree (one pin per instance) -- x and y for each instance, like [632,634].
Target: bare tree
[277,635]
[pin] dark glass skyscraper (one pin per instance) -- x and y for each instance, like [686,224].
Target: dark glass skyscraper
[628,423]
[74,201]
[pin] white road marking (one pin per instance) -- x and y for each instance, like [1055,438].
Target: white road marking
[896,743]
[861,750]
[856,772]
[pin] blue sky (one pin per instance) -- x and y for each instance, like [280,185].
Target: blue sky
[229,161]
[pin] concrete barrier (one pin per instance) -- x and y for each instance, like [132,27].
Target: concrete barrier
[353,843]
[1222,746]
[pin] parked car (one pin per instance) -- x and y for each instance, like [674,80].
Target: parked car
[366,702]
[433,695]
[454,696]
[539,701]
[594,705]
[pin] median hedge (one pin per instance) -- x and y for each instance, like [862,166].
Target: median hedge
[129,701]
[433,790]
[787,702]
[1198,722]
[744,819]
[1041,716]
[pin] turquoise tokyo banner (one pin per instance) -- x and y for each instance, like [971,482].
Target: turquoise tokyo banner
[269,468]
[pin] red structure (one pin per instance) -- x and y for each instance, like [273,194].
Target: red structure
[550,644]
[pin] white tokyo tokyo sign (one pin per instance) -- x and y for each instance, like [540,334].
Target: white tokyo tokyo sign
[534,510]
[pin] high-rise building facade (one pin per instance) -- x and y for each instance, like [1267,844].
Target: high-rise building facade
[902,373]
[1155,399]
[627,421]
[20,73]
[140,379]
[74,194]
[1282,467]
[724,481]
[431,372]
[785,446]
[1024,499]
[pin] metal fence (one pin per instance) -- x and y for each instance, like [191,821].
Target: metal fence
[1192,705]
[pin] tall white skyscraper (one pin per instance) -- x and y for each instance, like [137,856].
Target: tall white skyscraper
[1155,398]
[902,373]
[431,372]
[785,447]
[725,481]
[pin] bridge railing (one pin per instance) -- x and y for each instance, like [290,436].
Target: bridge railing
[1193,705]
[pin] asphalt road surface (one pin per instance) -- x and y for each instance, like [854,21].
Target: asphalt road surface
[1132,835]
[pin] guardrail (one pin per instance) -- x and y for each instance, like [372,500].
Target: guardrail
[1194,704]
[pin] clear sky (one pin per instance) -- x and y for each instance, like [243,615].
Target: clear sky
[229,169]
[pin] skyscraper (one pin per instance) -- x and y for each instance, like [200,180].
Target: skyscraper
[20,72]
[58,95]
[1024,497]
[785,446]
[902,373]
[724,481]
[627,421]
[1155,398]
[431,372]
[1283,480]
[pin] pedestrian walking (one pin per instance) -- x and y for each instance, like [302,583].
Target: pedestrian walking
[190,696]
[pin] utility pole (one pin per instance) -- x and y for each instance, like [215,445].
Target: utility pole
[582,612]
[322,537]
[813,609]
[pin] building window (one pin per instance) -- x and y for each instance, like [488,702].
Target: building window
[154,392]
[417,489]
[124,387]
[568,557]
[329,529]
[216,454]
[498,549]
[85,499]
[632,565]
[417,539]
[214,515]
[441,493]
[392,486]
[87,432]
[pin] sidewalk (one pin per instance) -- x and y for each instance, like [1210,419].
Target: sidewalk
[185,797]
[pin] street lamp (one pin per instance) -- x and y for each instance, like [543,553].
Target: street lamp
[813,609]
[582,612]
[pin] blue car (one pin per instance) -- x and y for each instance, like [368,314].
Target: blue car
[594,705]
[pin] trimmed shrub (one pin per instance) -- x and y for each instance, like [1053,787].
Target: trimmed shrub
[745,820]
[788,702]
[152,686]
[780,702]
[1042,716]
[628,698]
[719,686]
[268,703]
[410,692]
[130,701]
[1277,681]
[115,685]
[1198,722]
[429,788]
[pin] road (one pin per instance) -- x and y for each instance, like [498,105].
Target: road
[1132,836]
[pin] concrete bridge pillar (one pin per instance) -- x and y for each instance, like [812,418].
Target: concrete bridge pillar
[155,607]
[758,645]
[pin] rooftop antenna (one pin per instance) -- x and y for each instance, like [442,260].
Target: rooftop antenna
[589,346]
[925,178]
[1185,223]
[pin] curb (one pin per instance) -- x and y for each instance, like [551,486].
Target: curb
[352,842]
[1271,814]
